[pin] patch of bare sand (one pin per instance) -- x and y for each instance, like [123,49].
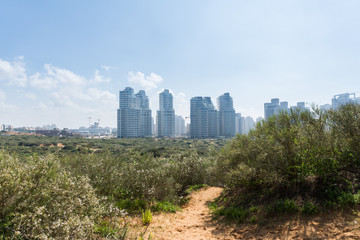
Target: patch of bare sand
[195,222]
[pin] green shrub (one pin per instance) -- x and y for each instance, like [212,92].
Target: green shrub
[283,206]
[237,214]
[146,216]
[195,187]
[104,229]
[40,200]
[309,208]
[164,207]
[295,155]
[253,220]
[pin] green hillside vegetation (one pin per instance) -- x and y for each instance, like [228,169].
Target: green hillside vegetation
[296,162]
[82,189]
[28,145]
[74,188]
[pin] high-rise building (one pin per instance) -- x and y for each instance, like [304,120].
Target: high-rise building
[203,118]
[258,119]
[325,107]
[344,98]
[180,130]
[166,115]
[237,123]
[153,130]
[284,106]
[244,124]
[302,106]
[226,116]
[274,107]
[142,103]
[271,108]
[133,115]
[249,124]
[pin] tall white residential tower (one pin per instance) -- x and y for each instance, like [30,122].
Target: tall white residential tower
[165,115]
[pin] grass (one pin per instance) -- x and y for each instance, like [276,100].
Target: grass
[146,217]
[164,207]
[195,188]
[283,206]
[105,230]
[238,214]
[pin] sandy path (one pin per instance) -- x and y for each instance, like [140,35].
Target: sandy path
[193,222]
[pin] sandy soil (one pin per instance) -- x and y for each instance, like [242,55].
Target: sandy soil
[195,222]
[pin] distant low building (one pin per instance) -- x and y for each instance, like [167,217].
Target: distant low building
[57,133]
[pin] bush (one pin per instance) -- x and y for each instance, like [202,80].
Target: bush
[136,180]
[40,200]
[283,206]
[309,208]
[296,155]
[237,214]
[63,192]
[195,188]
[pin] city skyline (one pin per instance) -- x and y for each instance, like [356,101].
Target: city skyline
[141,101]
[64,61]
[134,119]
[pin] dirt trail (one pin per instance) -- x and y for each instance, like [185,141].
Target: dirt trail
[193,222]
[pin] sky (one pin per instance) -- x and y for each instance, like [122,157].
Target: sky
[63,61]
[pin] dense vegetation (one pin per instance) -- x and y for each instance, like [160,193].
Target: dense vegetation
[297,161]
[74,188]
[28,145]
[79,188]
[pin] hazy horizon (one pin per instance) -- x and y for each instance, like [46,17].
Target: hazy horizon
[63,61]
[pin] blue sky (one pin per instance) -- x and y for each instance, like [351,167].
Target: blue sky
[63,61]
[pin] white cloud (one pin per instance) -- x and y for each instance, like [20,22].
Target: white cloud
[63,100]
[64,76]
[31,96]
[2,96]
[103,96]
[98,78]
[65,96]
[13,72]
[106,68]
[55,77]
[4,106]
[148,82]
[181,104]
[180,98]
[42,106]
[44,82]
[69,86]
